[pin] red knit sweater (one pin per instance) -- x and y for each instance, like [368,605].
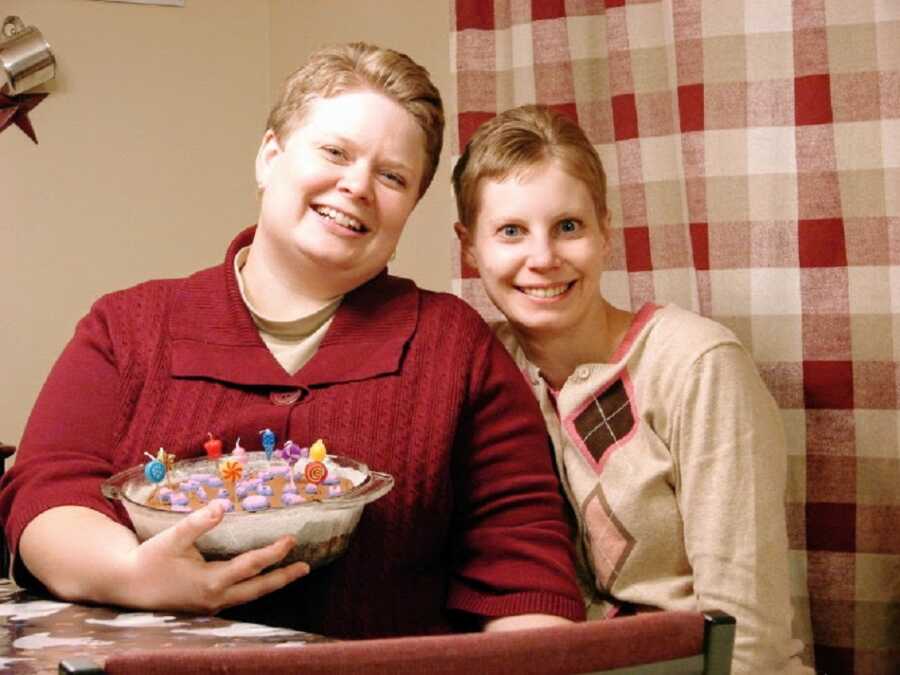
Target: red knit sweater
[408,381]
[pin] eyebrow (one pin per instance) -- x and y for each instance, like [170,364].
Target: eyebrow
[513,217]
[503,219]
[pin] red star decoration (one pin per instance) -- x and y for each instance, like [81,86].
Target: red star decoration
[15,109]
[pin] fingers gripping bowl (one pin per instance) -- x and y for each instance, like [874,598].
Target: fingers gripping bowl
[322,529]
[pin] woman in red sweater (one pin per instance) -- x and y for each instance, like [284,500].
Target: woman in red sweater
[302,331]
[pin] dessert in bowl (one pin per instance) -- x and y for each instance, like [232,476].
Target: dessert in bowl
[318,503]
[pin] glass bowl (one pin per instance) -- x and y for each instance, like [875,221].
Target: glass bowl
[321,529]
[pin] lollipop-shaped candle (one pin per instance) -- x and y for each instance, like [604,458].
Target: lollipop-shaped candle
[159,467]
[290,453]
[230,471]
[316,471]
[154,470]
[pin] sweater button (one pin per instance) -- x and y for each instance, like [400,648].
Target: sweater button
[583,372]
[286,397]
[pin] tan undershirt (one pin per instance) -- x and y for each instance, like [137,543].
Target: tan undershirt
[293,343]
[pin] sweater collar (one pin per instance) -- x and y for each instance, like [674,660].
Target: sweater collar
[213,335]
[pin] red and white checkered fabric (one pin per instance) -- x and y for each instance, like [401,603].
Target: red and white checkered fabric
[753,155]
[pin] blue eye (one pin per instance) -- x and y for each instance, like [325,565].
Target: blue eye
[510,230]
[333,151]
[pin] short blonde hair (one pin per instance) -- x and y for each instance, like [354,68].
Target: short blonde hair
[337,69]
[516,141]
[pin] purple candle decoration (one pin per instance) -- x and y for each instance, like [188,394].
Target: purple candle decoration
[179,499]
[290,453]
[225,502]
[255,503]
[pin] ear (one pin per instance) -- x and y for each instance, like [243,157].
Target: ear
[269,150]
[465,244]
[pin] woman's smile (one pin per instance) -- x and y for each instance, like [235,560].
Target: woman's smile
[546,293]
[344,220]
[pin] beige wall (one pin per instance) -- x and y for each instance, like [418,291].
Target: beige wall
[144,167]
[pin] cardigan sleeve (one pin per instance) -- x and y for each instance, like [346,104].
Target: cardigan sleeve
[513,548]
[64,454]
[731,462]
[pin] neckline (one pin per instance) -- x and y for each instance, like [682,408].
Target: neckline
[644,314]
[297,328]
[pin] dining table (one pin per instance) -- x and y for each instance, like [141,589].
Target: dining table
[38,633]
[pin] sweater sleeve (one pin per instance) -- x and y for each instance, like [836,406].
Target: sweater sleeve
[65,452]
[513,550]
[731,458]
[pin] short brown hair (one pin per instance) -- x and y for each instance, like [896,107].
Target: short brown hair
[519,139]
[337,69]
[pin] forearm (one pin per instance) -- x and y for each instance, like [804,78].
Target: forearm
[521,621]
[80,555]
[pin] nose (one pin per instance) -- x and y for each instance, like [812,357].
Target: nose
[542,253]
[356,181]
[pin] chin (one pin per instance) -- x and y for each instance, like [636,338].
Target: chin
[538,324]
[334,257]
[544,328]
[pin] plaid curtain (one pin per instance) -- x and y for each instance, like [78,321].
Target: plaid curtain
[753,155]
